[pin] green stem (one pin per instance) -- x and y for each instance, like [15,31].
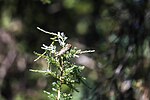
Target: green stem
[61,75]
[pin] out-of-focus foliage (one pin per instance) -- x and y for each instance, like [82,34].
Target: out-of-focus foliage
[118,30]
[46,1]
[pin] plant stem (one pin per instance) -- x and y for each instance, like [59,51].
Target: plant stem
[58,92]
[58,95]
[61,75]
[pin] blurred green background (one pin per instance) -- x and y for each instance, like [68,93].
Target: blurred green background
[119,31]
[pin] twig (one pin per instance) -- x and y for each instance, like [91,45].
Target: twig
[120,66]
[46,31]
